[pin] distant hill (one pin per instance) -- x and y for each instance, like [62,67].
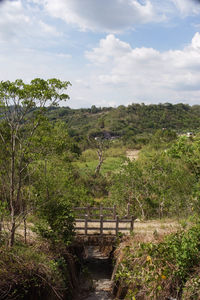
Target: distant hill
[128,121]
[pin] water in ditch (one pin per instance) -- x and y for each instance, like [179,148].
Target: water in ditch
[97,282]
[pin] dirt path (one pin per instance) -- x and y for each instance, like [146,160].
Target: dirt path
[146,229]
[132,154]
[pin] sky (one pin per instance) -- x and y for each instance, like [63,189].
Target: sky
[114,52]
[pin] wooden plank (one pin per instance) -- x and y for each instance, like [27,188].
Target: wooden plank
[105,234]
[90,228]
[104,215]
[125,220]
[114,212]
[100,221]
[101,225]
[132,223]
[105,221]
[117,224]
[94,215]
[86,225]
[93,208]
[104,229]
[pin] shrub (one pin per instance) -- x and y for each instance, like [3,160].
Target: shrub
[158,271]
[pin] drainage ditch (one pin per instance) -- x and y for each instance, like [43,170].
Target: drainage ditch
[96,281]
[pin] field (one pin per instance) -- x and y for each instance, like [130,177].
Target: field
[113,159]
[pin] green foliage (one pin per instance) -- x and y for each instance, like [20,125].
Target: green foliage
[29,95]
[57,189]
[89,155]
[163,138]
[133,123]
[158,271]
[56,223]
[110,164]
[21,116]
[156,185]
[115,151]
[97,186]
[188,151]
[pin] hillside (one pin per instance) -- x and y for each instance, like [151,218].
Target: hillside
[129,121]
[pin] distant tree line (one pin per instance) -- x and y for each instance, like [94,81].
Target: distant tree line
[129,121]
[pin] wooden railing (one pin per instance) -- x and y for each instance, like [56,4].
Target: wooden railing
[96,212]
[102,220]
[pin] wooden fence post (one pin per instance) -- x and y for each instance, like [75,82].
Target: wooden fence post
[114,211]
[128,210]
[117,224]
[101,225]
[132,223]
[86,224]
[88,211]
[101,210]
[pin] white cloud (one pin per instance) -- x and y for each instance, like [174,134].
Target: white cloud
[13,20]
[187,7]
[48,29]
[196,41]
[104,15]
[19,21]
[32,45]
[145,73]
[26,42]
[117,15]
[108,48]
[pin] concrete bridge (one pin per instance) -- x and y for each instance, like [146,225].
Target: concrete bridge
[96,240]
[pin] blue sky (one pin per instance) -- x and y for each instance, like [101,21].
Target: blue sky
[112,51]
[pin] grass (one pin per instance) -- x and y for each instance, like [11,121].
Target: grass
[110,164]
[114,158]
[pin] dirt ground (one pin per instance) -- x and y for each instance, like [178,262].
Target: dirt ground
[143,230]
[132,154]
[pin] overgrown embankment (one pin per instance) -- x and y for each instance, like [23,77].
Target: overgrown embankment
[38,271]
[163,268]
[167,268]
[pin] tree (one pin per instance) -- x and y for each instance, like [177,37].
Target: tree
[155,185]
[100,144]
[21,114]
[57,188]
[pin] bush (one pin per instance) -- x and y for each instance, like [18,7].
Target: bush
[162,270]
[32,272]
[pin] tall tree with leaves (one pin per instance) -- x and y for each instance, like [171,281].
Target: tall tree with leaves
[23,107]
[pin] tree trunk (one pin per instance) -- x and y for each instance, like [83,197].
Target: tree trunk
[100,155]
[0,228]
[142,210]
[12,204]
[12,233]
[25,230]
